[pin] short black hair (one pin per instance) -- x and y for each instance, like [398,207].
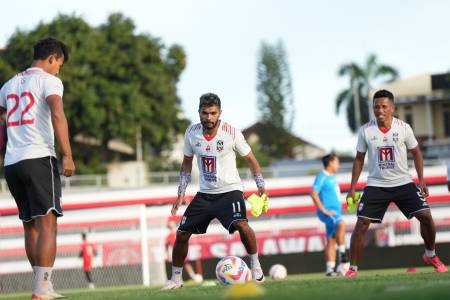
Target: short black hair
[328,158]
[49,46]
[209,99]
[384,94]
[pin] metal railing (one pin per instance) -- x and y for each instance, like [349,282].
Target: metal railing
[161,178]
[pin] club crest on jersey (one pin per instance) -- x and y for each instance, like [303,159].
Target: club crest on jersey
[219,145]
[209,168]
[386,157]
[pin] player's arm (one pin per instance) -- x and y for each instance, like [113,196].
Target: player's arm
[256,171]
[60,126]
[356,172]
[418,164]
[2,114]
[185,177]
[316,199]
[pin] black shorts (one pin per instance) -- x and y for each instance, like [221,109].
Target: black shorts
[376,200]
[227,208]
[36,187]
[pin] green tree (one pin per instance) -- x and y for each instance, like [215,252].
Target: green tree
[116,83]
[356,97]
[275,100]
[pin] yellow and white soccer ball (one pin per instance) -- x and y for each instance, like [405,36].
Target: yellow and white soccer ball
[278,272]
[232,270]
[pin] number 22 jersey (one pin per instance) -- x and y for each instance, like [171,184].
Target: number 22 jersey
[216,157]
[28,116]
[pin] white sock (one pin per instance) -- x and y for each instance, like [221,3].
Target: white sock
[430,253]
[341,248]
[177,274]
[330,266]
[254,261]
[42,276]
[354,268]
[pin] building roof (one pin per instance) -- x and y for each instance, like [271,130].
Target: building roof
[425,87]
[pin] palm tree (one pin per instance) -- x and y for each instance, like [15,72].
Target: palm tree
[356,97]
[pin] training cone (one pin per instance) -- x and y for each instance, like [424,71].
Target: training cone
[411,270]
[248,289]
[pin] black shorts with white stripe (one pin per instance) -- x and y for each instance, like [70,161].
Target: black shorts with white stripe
[36,187]
[375,201]
[226,207]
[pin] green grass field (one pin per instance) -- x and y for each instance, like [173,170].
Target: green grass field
[378,284]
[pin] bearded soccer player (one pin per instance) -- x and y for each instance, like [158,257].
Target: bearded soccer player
[387,140]
[214,143]
[31,104]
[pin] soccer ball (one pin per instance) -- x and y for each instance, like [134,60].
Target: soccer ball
[278,272]
[232,270]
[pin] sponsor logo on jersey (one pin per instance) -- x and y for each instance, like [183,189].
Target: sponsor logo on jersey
[208,148]
[395,137]
[219,145]
[209,168]
[386,158]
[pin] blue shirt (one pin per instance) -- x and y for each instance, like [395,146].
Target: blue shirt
[329,192]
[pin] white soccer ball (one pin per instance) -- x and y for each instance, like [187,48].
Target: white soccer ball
[232,270]
[278,272]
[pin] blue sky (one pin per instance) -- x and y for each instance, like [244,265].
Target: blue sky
[222,39]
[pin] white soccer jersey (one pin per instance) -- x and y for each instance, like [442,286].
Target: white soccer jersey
[387,152]
[28,117]
[216,157]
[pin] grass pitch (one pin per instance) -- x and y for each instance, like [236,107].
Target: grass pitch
[378,284]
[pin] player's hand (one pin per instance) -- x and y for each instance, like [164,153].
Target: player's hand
[423,188]
[329,213]
[68,166]
[177,204]
[262,191]
[350,194]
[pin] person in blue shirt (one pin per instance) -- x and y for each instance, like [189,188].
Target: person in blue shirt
[326,196]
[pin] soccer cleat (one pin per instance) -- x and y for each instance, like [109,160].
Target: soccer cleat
[172,285]
[351,273]
[55,295]
[265,200]
[52,294]
[36,297]
[257,205]
[435,262]
[258,275]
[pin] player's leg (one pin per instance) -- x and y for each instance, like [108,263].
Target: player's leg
[342,257]
[412,204]
[330,248]
[230,210]
[44,192]
[371,209]
[31,236]
[196,219]
[248,238]
[330,256]
[357,241]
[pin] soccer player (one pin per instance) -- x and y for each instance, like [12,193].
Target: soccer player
[214,143]
[387,140]
[325,194]
[31,105]
[87,253]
